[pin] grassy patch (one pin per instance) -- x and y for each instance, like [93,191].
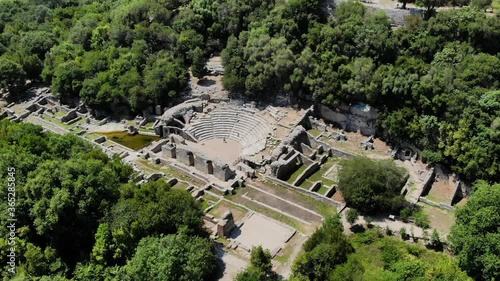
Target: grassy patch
[307,184]
[169,172]
[92,136]
[60,113]
[323,189]
[285,253]
[271,213]
[219,209]
[375,253]
[181,185]
[296,174]
[315,132]
[149,124]
[56,121]
[433,198]
[323,209]
[318,176]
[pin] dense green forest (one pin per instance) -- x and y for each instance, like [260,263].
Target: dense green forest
[79,216]
[435,82]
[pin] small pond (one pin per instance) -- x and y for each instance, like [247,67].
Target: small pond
[134,142]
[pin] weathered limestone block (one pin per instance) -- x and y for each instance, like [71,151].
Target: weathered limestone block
[168,150]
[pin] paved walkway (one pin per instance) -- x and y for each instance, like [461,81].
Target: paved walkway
[232,264]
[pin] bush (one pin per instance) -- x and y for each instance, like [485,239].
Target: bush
[403,233]
[352,216]
[421,219]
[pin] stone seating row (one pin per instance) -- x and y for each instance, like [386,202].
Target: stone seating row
[243,127]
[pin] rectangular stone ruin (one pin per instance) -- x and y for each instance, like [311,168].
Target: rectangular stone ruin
[311,169]
[172,181]
[330,192]
[223,172]
[225,224]
[288,165]
[100,139]
[70,115]
[201,163]
[192,157]
[168,150]
[249,172]
[316,186]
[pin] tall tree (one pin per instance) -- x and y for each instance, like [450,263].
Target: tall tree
[370,185]
[12,76]
[172,258]
[430,6]
[198,67]
[475,237]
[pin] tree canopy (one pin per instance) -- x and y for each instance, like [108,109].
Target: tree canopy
[171,258]
[80,216]
[426,78]
[370,185]
[475,237]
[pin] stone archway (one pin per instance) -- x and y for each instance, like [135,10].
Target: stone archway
[210,167]
[191,158]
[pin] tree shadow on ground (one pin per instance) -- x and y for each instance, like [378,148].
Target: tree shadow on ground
[357,228]
[206,82]
[219,271]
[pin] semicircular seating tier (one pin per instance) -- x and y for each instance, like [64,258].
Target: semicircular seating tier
[250,130]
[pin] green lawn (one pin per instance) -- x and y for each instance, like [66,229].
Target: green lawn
[169,172]
[181,185]
[56,121]
[149,124]
[322,190]
[314,132]
[307,184]
[92,136]
[59,114]
[318,176]
[323,209]
[297,173]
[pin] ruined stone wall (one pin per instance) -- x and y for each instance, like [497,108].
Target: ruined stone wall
[353,119]
[284,168]
[183,154]
[158,145]
[340,153]
[201,163]
[306,149]
[165,131]
[180,110]
[338,205]
[169,150]
[222,171]
[70,115]
[311,169]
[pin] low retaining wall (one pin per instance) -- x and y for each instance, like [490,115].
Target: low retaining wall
[307,172]
[336,204]
[340,153]
[435,204]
